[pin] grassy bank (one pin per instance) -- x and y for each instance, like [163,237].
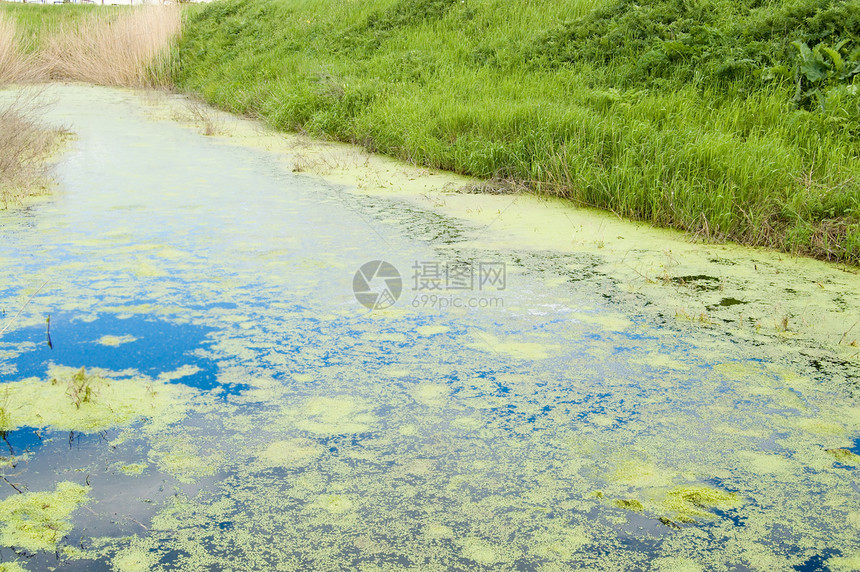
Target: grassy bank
[704,116]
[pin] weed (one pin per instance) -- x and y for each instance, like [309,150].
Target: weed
[25,146]
[80,388]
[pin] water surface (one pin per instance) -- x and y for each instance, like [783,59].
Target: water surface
[246,412]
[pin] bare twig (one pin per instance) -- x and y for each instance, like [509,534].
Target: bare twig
[27,303]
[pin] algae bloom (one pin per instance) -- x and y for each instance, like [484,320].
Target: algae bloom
[77,400]
[36,521]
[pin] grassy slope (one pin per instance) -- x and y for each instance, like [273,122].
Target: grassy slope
[693,114]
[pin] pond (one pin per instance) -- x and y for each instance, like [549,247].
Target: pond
[225,383]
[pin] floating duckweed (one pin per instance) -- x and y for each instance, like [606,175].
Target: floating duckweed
[689,503]
[675,564]
[766,463]
[431,394]
[133,469]
[289,453]
[517,350]
[844,456]
[11,567]
[38,521]
[335,416]
[182,458]
[89,401]
[335,504]
[431,330]
[436,530]
[844,563]
[134,559]
[484,552]
[116,341]
[640,475]
[629,504]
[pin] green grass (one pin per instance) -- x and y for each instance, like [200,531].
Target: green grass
[35,21]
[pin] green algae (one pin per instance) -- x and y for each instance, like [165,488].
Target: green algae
[133,469]
[134,559]
[38,521]
[629,504]
[185,459]
[77,400]
[289,453]
[689,503]
[333,415]
[11,567]
[513,348]
[844,456]
[849,563]
[115,341]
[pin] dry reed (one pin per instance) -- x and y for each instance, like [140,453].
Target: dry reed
[15,64]
[25,145]
[132,49]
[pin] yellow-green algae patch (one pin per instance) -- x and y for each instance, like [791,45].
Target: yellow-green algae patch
[116,341]
[689,503]
[334,415]
[289,453]
[134,559]
[133,469]
[844,456]
[432,330]
[629,504]
[674,564]
[515,349]
[11,567]
[850,563]
[184,459]
[90,401]
[36,521]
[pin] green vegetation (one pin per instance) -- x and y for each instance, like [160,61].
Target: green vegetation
[38,521]
[730,119]
[39,21]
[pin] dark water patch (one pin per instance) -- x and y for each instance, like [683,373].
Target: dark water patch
[817,563]
[698,281]
[142,343]
[20,441]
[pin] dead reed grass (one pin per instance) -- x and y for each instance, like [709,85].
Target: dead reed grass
[131,49]
[25,146]
[16,65]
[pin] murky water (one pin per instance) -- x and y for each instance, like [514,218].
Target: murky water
[239,409]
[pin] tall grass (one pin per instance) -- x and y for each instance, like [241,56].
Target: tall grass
[16,64]
[683,114]
[119,46]
[130,49]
